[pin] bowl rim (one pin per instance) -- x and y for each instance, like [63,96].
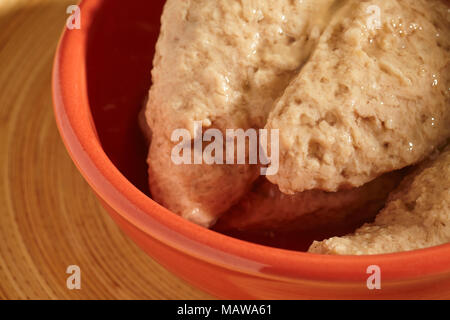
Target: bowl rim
[75,124]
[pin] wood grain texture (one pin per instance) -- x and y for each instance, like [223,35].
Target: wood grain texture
[49,217]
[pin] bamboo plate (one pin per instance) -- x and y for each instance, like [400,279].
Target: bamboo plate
[49,218]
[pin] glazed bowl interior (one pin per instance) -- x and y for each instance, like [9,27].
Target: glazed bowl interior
[108,64]
[119,53]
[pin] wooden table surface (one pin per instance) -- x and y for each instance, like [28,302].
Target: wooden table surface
[49,218]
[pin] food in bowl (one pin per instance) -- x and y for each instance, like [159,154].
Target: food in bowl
[223,63]
[357,90]
[265,207]
[416,216]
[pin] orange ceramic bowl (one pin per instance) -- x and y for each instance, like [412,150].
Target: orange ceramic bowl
[101,76]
